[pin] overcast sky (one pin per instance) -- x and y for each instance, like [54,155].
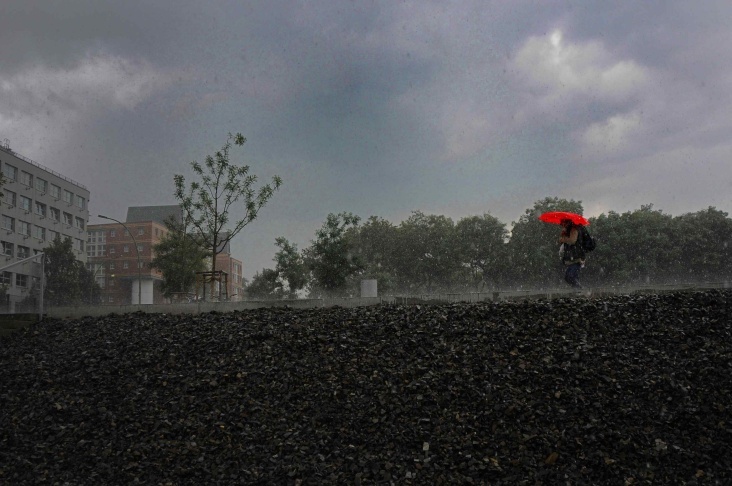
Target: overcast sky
[377,107]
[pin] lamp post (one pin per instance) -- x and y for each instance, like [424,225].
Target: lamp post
[139,264]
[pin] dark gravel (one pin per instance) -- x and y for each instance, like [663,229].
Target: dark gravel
[623,390]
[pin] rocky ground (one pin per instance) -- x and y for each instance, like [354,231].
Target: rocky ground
[621,390]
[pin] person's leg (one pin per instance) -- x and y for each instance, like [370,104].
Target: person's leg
[571,276]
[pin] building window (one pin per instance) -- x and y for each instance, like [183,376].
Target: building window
[140,265]
[40,209]
[8,223]
[26,178]
[111,250]
[41,185]
[127,233]
[9,197]
[55,214]
[126,249]
[52,235]
[7,248]
[101,250]
[79,222]
[55,191]
[21,280]
[78,244]
[111,265]
[39,232]
[67,219]
[139,248]
[23,251]
[6,278]
[10,172]
[80,202]
[24,228]
[25,203]
[68,197]
[112,233]
[111,299]
[96,236]
[125,265]
[140,231]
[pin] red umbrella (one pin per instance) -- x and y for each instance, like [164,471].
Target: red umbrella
[556,217]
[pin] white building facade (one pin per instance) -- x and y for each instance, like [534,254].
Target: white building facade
[38,204]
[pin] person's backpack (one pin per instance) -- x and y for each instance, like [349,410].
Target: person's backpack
[587,241]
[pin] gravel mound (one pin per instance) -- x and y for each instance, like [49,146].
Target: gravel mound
[622,390]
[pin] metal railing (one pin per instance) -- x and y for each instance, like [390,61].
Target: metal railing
[197,307]
[41,166]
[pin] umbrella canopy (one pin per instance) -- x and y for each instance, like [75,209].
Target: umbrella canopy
[556,217]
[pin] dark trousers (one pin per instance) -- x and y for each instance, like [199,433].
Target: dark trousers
[571,274]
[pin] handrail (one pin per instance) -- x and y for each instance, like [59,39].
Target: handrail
[40,166]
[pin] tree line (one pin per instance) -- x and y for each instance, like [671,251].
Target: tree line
[426,253]
[430,253]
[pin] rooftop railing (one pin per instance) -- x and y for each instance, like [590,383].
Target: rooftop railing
[40,166]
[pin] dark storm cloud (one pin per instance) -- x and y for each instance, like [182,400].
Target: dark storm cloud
[378,108]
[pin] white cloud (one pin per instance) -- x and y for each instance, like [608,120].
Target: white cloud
[123,82]
[558,75]
[611,135]
[43,102]
[683,179]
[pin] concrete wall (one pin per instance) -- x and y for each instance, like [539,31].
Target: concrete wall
[202,307]
[147,291]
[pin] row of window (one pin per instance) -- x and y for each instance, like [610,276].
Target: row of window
[21,280]
[96,236]
[113,266]
[8,248]
[11,199]
[26,178]
[42,185]
[9,224]
[25,281]
[101,250]
[100,236]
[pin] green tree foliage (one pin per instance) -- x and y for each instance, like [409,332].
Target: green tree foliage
[207,202]
[331,258]
[428,253]
[265,285]
[425,258]
[91,292]
[375,243]
[291,268]
[647,246]
[533,250]
[636,247]
[68,282]
[481,244]
[705,249]
[178,256]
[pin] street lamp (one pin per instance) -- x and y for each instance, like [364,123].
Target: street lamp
[139,264]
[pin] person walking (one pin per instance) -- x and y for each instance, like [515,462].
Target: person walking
[573,257]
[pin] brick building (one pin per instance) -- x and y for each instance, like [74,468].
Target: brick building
[119,256]
[233,269]
[112,257]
